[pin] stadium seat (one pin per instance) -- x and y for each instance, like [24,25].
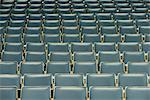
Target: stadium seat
[133,38]
[121,16]
[76,93]
[7,67]
[78,8]
[144,30]
[68,80]
[34,10]
[115,68]
[36,56]
[108,30]
[112,38]
[33,30]
[18,13]
[58,67]
[13,38]
[58,47]
[125,23]
[85,67]
[81,47]
[128,30]
[68,23]
[33,38]
[100,80]
[3,23]
[37,80]
[51,30]
[133,57]
[87,16]
[34,23]
[103,16]
[46,5]
[69,16]
[50,11]
[35,16]
[106,22]
[64,10]
[35,93]
[52,16]
[87,23]
[51,38]
[131,47]
[10,80]
[13,47]
[4,17]
[143,22]
[12,56]
[60,56]
[31,68]
[51,23]
[145,46]
[109,56]
[84,57]
[70,30]
[17,23]
[8,93]
[137,93]
[71,38]
[140,9]
[91,38]
[107,5]
[19,16]
[35,47]
[136,16]
[92,2]
[101,93]
[89,30]
[110,10]
[104,47]
[133,80]
[14,30]
[139,67]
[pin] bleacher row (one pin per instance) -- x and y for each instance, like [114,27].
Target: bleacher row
[38,87]
[82,52]
[68,38]
[86,27]
[75,50]
[77,6]
[74,16]
[96,93]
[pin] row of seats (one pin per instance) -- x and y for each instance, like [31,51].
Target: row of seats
[74,23]
[74,38]
[76,10]
[78,67]
[75,30]
[78,57]
[33,80]
[82,16]
[75,5]
[67,1]
[77,93]
[31,68]
[76,47]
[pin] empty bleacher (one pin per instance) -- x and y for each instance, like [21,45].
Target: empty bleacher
[74,50]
